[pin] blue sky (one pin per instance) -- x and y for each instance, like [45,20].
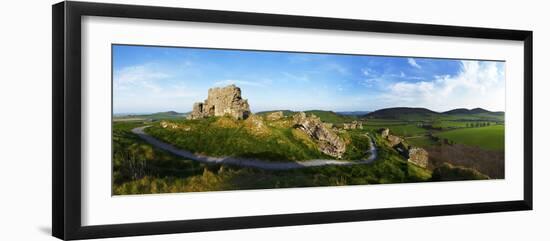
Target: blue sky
[153,79]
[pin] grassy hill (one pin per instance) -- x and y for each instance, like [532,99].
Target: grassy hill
[401,113]
[426,115]
[467,111]
[139,168]
[353,113]
[271,140]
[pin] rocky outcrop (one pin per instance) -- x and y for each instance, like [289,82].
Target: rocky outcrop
[418,156]
[166,124]
[256,126]
[221,102]
[415,155]
[353,125]
[277,115]
[329,143]
[171,125]
[385,132]
[394,140]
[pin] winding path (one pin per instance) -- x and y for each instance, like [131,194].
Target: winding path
[255,163]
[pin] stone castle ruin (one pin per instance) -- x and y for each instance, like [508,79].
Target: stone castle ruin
[221,102]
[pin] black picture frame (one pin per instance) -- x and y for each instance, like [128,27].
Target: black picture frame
[66,128]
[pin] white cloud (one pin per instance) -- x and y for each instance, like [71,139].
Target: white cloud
[238,83]
[478,84]
[413,63]
[368,72]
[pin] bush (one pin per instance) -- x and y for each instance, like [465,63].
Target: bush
[448,172]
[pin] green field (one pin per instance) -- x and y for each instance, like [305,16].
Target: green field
[490,137]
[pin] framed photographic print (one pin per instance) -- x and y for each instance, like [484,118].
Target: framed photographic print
[170,120]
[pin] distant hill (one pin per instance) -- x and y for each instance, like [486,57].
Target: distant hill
[400,112]
[467,112]
[353,113]
[153,116]
[463,114]
[166,115]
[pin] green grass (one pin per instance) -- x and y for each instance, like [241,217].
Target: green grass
[358,143]
[421,141]
[332,117]
[490,137]
[222,136]
[389,168]
[133,159]
[448,172]
[396,128]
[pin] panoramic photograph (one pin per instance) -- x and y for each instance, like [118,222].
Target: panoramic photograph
[198,119]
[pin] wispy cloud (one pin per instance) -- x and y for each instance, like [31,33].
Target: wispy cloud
[238,82]
[338,68]
[144,87]
[368,71]
[139,76]
[298,77]
[413,63]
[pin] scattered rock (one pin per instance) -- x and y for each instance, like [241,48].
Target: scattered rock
[353,125]
[385,132]
[166,124]
[277,115]
[329,143]
[415,155]
[255,124]
[418,156]
[221,102]
[394,140]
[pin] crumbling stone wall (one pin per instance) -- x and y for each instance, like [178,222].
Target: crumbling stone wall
[221,102]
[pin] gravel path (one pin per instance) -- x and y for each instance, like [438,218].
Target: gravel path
[268,165]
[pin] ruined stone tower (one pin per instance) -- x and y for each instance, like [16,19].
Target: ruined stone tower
[221,102]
